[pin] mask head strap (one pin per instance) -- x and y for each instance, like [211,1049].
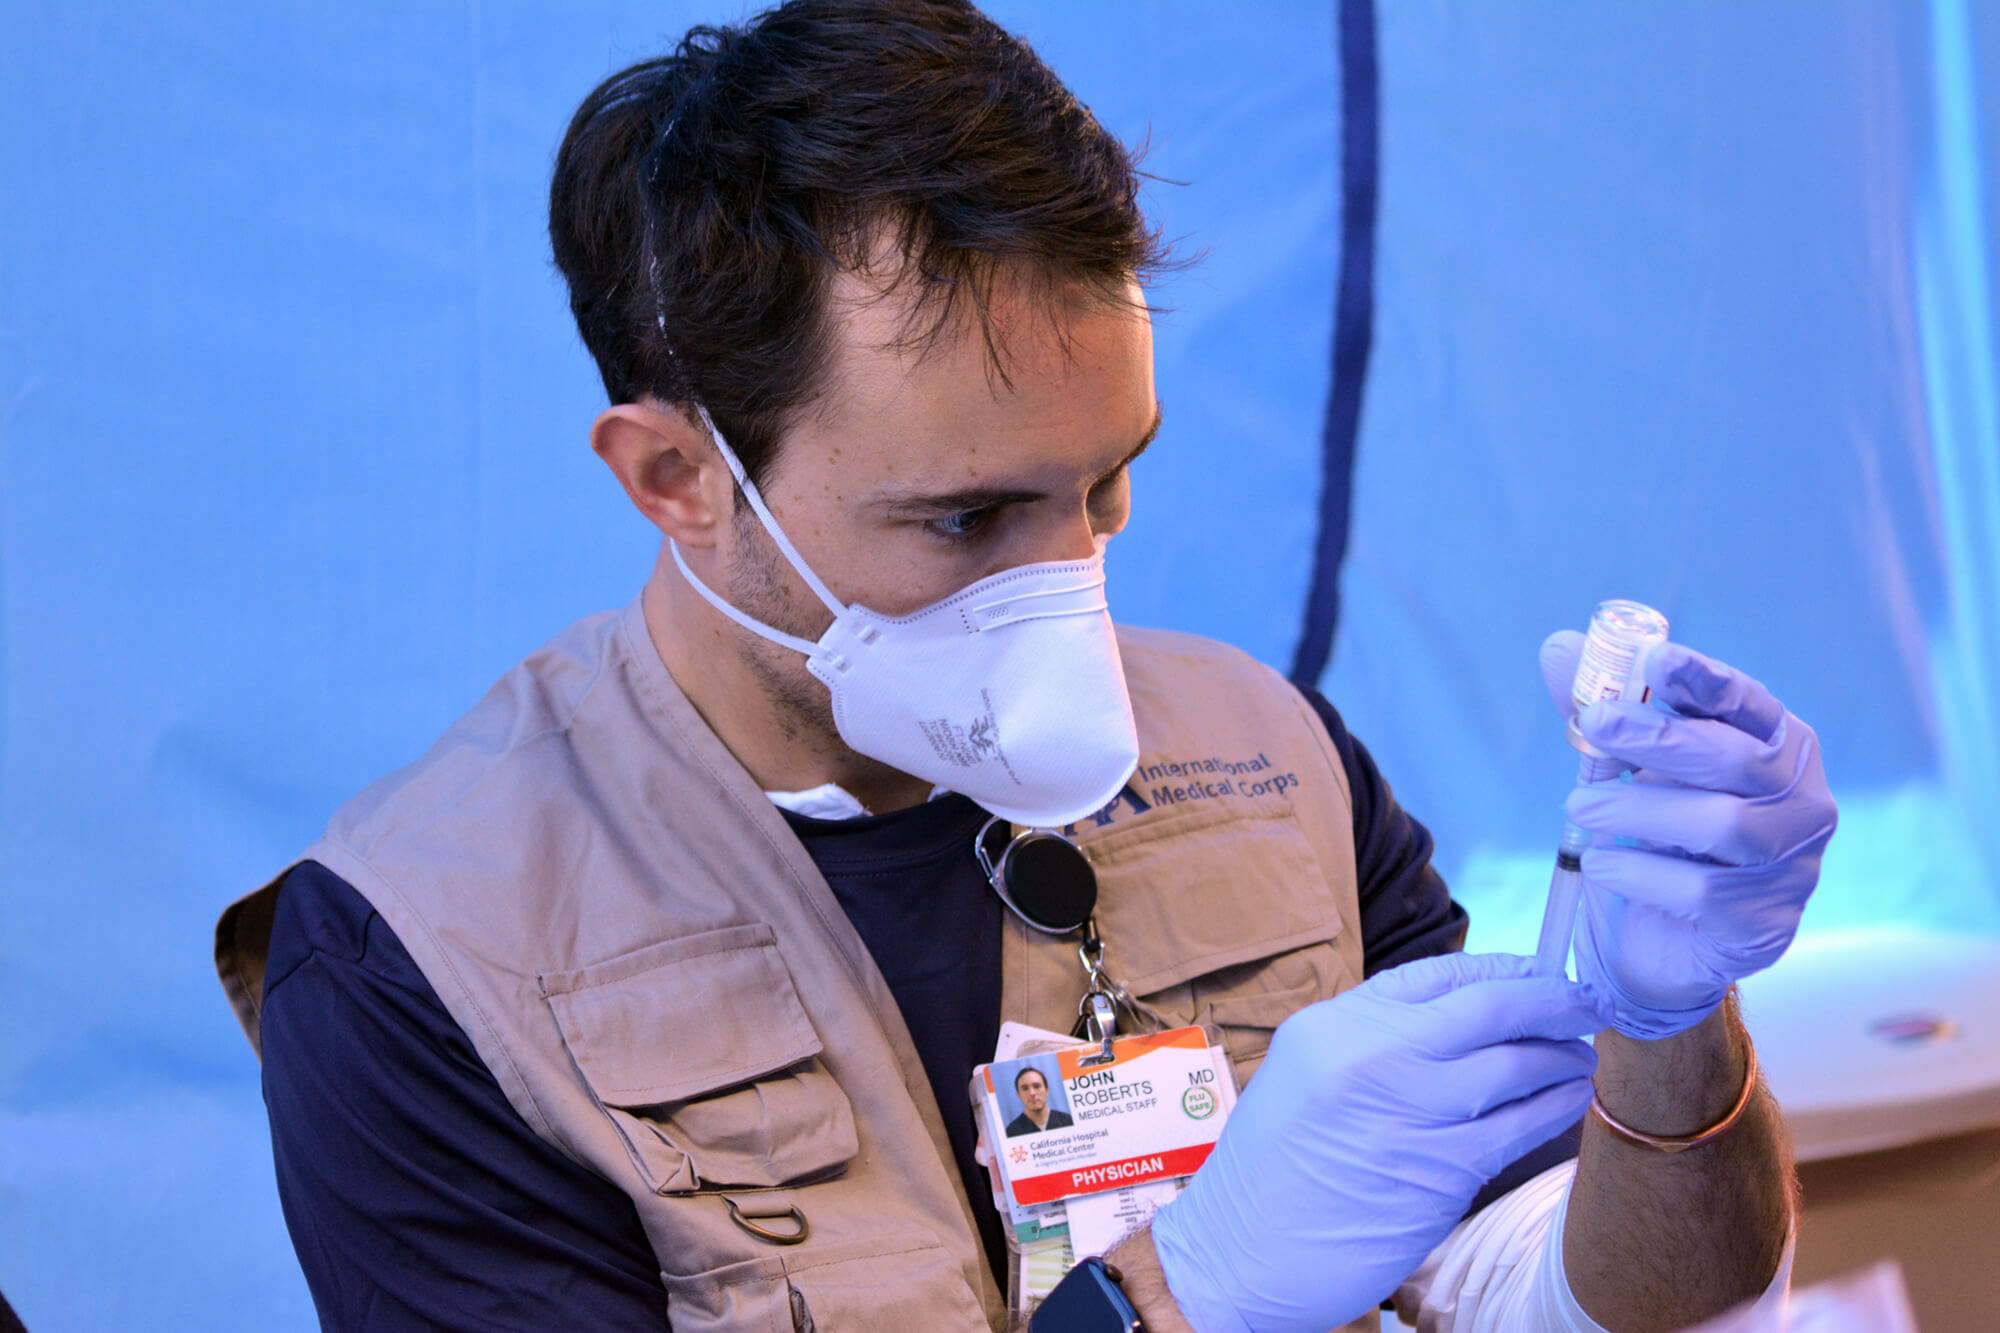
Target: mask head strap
[764,516]
[757,627]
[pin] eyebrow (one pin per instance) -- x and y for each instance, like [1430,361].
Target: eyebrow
[909,504]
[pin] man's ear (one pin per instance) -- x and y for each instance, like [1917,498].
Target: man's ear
[669,467]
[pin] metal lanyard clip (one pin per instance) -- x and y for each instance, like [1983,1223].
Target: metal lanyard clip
[1097,1014]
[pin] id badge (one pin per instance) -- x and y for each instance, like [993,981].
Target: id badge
[1081,1152]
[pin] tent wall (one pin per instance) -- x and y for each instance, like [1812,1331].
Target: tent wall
[1648,324]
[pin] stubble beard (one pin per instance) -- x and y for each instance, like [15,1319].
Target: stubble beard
[799,702]
[801,705]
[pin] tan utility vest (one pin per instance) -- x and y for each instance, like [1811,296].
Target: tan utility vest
[648,961]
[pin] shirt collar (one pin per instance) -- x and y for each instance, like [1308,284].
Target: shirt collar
[829,800]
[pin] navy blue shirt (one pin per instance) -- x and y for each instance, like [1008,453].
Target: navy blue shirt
[417,1198]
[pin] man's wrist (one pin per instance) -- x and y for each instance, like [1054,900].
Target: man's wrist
[1675,1085]
[1146,1283]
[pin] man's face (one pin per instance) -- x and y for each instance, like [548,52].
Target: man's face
[922,471]
[1034,1093]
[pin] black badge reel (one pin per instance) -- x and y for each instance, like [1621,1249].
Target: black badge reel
[1043,877]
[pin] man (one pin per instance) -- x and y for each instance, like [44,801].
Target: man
[650,993]
[1035,1116]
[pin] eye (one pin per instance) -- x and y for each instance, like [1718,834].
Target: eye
[962,526]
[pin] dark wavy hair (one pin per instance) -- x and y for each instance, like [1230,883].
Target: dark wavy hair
[702,201]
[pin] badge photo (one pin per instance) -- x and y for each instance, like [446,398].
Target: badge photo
[1031,1095]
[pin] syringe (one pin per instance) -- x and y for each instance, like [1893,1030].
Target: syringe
[1611,668]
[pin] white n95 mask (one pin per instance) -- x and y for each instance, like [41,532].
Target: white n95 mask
[1009,691]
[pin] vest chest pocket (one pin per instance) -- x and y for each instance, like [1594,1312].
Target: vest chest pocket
[702,1056]
[1223,915]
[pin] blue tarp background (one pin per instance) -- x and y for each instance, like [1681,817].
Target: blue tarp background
[1685,303]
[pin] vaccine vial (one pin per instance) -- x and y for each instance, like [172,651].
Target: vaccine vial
[1614,652]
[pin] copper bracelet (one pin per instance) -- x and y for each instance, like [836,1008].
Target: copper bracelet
[1682,1142]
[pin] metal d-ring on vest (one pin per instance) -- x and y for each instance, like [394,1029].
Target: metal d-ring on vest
[1045,879]
[800,1227]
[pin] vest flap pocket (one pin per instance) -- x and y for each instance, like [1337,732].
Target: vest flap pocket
[1173,885]
[883,1286]
[895,1282]
[1247,1018]
[703,1058]
[1257,1010]
[681,1018]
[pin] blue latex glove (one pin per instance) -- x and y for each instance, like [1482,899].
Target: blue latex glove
[1725,821]
[1375,1118]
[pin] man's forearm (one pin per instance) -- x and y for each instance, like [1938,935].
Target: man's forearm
[1658,1241]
